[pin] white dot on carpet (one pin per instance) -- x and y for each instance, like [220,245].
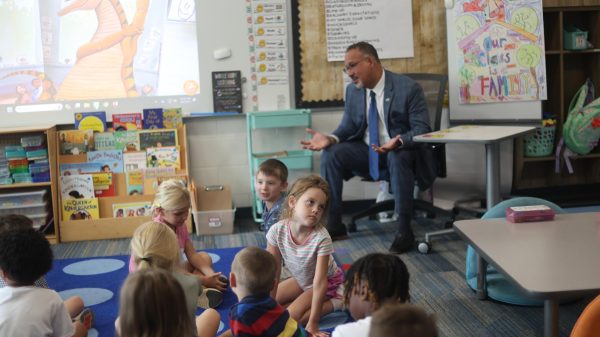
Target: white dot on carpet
[93,267]
[214,257]
[92,333]
[221,326]
[90,296]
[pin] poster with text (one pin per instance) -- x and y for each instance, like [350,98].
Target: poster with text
[500,50]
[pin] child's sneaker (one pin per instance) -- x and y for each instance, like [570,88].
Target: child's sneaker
[224,279]
[210,298]
[86,317]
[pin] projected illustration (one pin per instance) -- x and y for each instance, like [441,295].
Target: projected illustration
[84,50]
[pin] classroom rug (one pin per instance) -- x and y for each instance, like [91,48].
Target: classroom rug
[98,281]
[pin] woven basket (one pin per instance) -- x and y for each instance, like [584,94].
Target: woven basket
[540,143]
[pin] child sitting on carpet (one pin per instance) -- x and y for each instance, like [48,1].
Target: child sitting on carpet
[402,320]
[171,207]
[301,240]
[371,281]
[252,278]
[154,246]
[270,184]
[74,304]
[152,304]
[26,310]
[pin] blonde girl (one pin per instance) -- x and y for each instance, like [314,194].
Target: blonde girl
[171,207]
[152,304]
[302,241]
[154,246]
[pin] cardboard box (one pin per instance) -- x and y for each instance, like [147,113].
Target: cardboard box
[215,213]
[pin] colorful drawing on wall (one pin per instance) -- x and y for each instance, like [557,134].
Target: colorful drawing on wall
[501,50]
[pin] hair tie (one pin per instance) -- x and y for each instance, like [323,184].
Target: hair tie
[147,259]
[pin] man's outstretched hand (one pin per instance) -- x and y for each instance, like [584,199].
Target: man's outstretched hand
[317,142]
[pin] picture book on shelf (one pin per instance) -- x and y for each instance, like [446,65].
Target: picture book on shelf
[127,141]
[151,184]
[157,138]
[135,182]
[167,156]
[95,121]
[127,121]
[77,187]
[79,168]
[153,119]
[129,209]
[75,141]
[112,160]
[80,209]
[104,141]
[103,184]
[172,118]
[134,161]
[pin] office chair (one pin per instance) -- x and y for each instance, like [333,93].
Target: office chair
[434,88]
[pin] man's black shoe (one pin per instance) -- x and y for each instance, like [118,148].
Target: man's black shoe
[403,242]
[338,233]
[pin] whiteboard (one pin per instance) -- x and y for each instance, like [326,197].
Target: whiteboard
[525,112]
[218,25]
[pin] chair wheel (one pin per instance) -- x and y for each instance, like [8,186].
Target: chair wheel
[424,247]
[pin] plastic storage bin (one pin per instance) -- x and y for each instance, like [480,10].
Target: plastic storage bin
[214,222]
[575,38]
[540,143]
[23,199]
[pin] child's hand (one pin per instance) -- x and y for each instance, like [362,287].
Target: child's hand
[314,330]
[213,281]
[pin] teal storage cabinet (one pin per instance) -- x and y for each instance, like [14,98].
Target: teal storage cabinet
[294,159]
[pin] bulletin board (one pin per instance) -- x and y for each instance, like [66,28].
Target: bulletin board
[319,83]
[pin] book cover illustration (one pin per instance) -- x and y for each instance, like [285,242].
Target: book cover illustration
[127,121]
[104,141]
[79,168]
[77,187]
[151,184]
[172,118]
[157,138]
[127,141]
[112,160]
[75,141]
[95,121]
[135,182]
[134,161]
[80,209]
[153,119]
[129,209]
[103,184]
[155,172]
[167,156]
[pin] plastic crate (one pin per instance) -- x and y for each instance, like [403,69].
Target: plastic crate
[575,38]
[540,143]
[23,199]
[39,220]
[214,222]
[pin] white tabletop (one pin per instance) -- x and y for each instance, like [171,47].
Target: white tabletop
[482,134]
[559,257]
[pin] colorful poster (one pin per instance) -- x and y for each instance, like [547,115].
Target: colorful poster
[500,50]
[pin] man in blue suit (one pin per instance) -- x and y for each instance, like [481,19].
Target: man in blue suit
[382,149]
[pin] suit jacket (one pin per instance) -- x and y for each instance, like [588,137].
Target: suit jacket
[405,110]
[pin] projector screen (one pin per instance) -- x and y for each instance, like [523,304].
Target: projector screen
[58,57]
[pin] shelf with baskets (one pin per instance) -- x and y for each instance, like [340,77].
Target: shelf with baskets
[270,135]
[27,173]
[570,60]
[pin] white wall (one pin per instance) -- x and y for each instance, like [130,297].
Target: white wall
[218,155]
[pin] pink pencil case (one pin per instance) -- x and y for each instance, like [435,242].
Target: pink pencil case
[529,213]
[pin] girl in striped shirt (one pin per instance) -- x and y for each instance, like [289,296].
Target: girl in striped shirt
[302,242]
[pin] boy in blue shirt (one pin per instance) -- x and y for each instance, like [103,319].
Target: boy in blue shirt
[270,184]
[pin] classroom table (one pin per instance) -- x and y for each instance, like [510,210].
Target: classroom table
[491,136]
[551,260]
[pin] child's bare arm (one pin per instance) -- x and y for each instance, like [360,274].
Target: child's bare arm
[277,254]
[319,293]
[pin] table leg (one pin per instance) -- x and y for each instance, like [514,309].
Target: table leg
[492,166]
[481,276]
[551,318]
